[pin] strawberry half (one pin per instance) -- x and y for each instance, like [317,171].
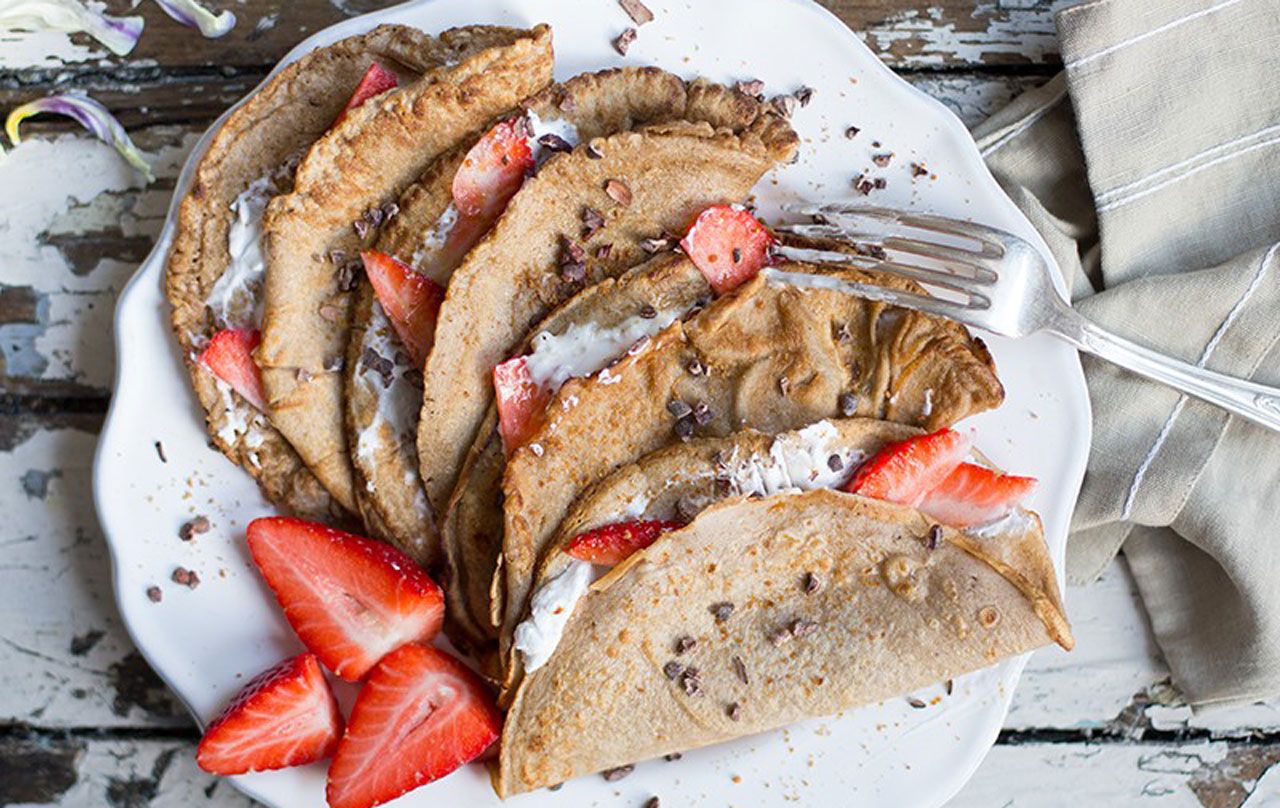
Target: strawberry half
[410,299]
[350,599]
[285,716]
[421,715]
[521,402]
[229,356]
[612,544]
[974,495]
[904,472]
[728,246]
[376,81]
[493,170]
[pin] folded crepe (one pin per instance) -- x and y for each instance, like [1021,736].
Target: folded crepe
[763,357]
[763,612]
[345,181]
[613,312]
[214,273]
[383,390]
[644,183]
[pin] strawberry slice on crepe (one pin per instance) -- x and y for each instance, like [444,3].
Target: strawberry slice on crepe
[410,299]
[229,356]
[350,599]
[520,400]
[376,81]
[490,174]
[420,716]
[728,246]
[611,544]
[906,471]
[975,495]
[285,716]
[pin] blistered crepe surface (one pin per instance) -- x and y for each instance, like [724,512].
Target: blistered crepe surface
[365,162]
[273,126]
[775,359]
[386,467]
[511,279]
[890,615]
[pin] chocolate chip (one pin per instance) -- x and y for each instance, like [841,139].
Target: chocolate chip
[702,414]
[740,670]
[784,385]
[193,528]
[556,787]
[618,191]
[348,275]
[948,686]
[390,211]
[672,670]
[592,221]
[753,88]
[622,43]
[684,428]
[916,704]
[593,152]
[882,160]
[648,312]
[803,628]
[603,252]
[848,404]
[616,774]
[160,452]
[737,255]
[695,368]
[880,183]
[875,144]
[685,644]
[852,132]
[193,580]
[835,463]
[804,95]
[653,802]
[337,257]
[691,682]
[672,756]
[181,575]
[571,250]
[780,636]
[734,711]
[935,537]
[554,143]
[678,408]
[811,583]
[361,227]
[863,185]
[379,364]
[918,170]
[654,245]
[638,12]
[154,594]
[721,611]
[783,105]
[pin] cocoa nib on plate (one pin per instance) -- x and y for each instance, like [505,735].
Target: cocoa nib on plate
[622,43]
[637,11]
[193,528]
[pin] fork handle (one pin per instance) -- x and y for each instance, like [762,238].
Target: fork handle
[1257,402]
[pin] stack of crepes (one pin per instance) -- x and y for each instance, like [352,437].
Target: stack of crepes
[518,330]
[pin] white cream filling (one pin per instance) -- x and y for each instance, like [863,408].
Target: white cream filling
[435,238]
[241,422]
[1016,522]
[236,297]
[583,349]
[536,637]
[559,127]
[797,461]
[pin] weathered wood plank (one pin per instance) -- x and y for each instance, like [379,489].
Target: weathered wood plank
[905,33]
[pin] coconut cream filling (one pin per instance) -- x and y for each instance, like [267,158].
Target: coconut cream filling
[435,238]
[804,460]
[236,297]
[585,348]
[241,423]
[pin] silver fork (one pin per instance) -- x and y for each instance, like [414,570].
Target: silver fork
[994,281]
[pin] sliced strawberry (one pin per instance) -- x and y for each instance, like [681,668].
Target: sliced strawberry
[906,471]
[611,544]
[376,81]
[410,299]
[285,716]
[521,402]
[728,246]
[421,715]
[493,170]
[973,495]
[229,356]
[350,599]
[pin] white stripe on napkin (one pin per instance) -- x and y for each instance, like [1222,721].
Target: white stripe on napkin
[1083,60]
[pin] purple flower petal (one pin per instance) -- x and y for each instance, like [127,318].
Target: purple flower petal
[190,13]
[91,115]
[119,34]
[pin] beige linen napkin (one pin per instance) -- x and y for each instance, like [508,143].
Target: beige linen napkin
[1152,168]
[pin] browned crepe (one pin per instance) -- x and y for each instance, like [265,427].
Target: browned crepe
[263,136]
[890,615]
[388,484]
[472,529]
[769,358]
[512,278]
[366,161]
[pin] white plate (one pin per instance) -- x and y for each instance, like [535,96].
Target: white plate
[205,643]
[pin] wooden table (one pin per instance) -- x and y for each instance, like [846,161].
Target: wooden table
[84,722]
